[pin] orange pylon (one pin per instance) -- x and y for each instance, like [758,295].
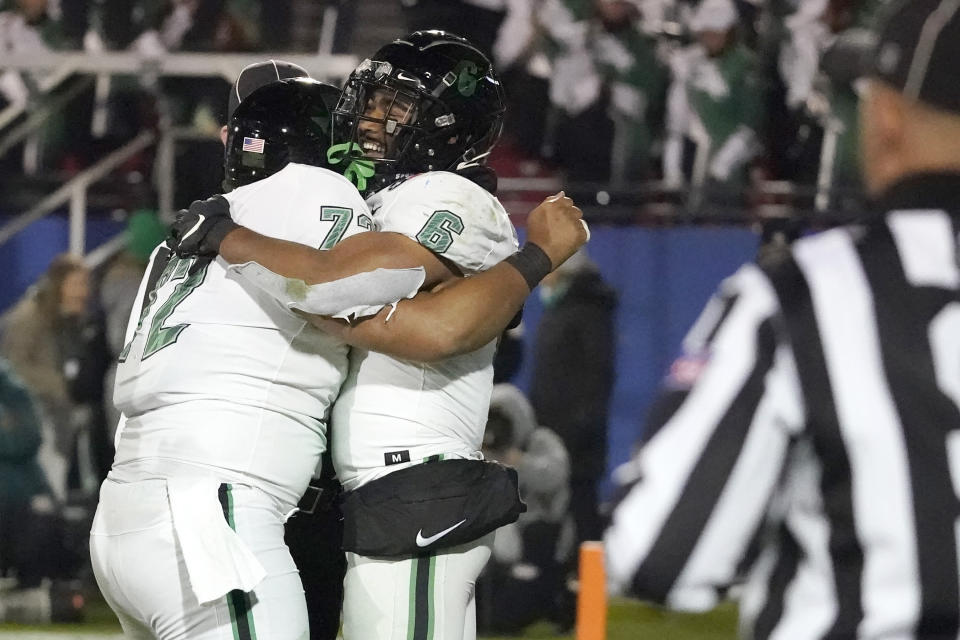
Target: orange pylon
[592,598]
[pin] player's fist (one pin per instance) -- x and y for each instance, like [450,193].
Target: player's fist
[557,226]
[199,230]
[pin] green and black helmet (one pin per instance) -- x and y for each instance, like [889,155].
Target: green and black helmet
[281,122]
[429,101]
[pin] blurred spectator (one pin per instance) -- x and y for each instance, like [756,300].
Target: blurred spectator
[476,20]
[714,102]
[122,24]
[820,57]
[573,379]
[25,499]
[125,105]
[525,73]
[637,83]
[581,134]
[118,291]
[29,27]
[839,117]
[26,27]
[40,551]
[56,345]
[525,579]
[841,65]
[515,35]
[276,24]
[31,339]
[152,27]
[792,45]
[806,38]
[598,65]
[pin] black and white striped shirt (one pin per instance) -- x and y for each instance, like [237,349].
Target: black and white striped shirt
[813,448]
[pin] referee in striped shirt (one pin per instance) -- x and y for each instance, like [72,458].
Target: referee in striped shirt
[811,443]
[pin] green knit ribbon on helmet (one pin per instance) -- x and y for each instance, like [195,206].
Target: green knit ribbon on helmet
[357,170]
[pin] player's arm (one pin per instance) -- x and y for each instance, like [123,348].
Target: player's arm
[206,228]
[436,325]
[471,312]
[357,254]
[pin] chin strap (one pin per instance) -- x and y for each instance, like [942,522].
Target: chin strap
[357,170]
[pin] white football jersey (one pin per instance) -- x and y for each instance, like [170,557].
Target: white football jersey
[216,373]
[391,411]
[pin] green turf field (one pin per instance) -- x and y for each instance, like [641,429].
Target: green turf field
[626,621]
[634,621]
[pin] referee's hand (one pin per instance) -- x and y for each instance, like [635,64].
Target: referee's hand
[199,230]
[557,226]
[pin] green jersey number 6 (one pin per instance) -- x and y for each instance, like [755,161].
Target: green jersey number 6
[439,231]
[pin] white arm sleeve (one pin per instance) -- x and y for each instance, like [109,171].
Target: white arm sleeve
[355,296]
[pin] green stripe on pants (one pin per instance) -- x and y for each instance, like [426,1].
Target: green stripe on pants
[421,617]
[241,615]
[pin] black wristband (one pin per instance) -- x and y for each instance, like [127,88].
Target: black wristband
[532,263]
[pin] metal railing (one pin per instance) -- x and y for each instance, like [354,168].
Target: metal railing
[657,203]
[63,65]
[75,192]
[227,65]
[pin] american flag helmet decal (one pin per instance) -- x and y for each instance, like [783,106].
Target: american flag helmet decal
[253,145]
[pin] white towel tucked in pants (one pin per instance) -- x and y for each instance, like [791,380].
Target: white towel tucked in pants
[138,560]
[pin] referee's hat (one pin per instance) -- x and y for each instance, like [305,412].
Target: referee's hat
[918,52]
[259,74]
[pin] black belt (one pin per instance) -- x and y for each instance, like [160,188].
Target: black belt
[321,494]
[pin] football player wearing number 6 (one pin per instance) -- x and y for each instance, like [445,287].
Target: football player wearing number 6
[417,121]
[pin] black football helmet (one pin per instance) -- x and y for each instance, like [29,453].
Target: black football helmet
[281,122]
[429,101]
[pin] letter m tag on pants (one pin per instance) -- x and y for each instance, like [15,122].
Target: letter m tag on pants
[396,457]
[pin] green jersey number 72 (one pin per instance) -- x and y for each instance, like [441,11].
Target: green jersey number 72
[188,274]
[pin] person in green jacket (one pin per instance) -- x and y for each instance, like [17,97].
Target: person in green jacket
[714,101]
[23,486]
[637,83]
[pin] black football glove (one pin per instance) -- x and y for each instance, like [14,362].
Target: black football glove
[199,230]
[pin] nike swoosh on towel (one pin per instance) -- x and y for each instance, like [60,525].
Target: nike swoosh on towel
[425,542]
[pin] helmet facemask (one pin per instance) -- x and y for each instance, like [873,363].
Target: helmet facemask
[376,117]
[388,118]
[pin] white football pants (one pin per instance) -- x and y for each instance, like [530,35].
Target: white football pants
[139,566]
[416,598]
